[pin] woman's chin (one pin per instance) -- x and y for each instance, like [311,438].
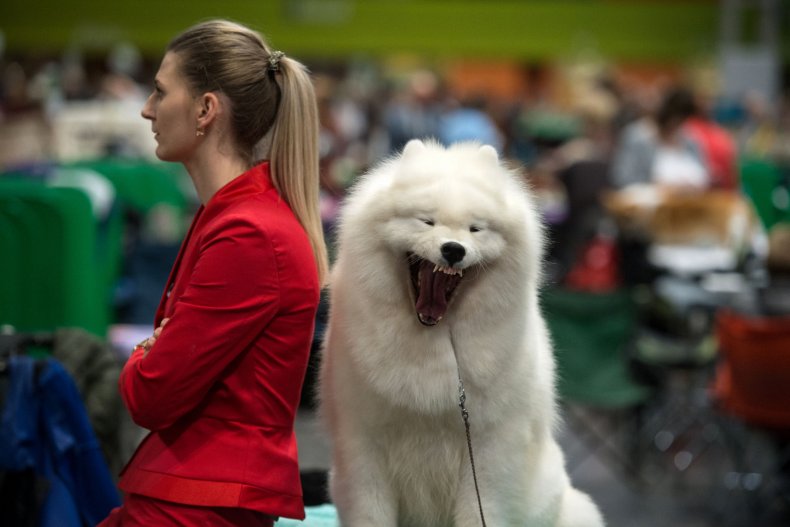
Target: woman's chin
[163,154]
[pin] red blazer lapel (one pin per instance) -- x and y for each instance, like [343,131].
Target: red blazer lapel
[171,280]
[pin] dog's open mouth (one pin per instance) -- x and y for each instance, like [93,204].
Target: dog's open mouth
[433,288]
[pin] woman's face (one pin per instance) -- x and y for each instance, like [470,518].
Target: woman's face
[173,111]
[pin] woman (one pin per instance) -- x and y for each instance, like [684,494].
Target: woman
[219,382]
[657,149]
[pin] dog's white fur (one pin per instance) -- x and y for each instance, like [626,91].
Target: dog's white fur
[389,385]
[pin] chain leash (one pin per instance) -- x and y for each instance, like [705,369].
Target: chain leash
[465,415]
[467,427]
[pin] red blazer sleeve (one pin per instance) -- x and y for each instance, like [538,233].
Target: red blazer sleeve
[232,294]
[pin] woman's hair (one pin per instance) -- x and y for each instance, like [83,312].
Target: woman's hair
[269,99]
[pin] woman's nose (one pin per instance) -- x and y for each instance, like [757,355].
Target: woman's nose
[146,111]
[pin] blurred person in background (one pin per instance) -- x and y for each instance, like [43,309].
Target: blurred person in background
[467,120]
[653,153]
[679,161]
[582,168]
[218,383]
[656,149]
[715,143]
[414,110]
[757,134]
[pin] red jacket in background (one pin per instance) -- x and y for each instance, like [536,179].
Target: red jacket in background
[719,150]
[220,388]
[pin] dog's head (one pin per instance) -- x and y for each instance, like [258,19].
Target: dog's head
[447,216]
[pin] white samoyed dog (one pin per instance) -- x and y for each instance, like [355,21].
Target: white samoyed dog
[437,276]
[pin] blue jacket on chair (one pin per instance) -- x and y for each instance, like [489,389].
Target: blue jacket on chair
[45,429]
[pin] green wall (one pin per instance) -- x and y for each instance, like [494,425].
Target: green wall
[531,29]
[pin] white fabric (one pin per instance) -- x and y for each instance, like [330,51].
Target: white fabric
[676,166]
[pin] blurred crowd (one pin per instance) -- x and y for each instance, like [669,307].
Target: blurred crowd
[573,137]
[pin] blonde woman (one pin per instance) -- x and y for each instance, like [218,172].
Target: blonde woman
[218,383]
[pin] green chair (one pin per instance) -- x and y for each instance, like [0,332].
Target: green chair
[15,228]
[591,333]
[58,278]
[763,183]
[142,184]
[109,226]
[603,400]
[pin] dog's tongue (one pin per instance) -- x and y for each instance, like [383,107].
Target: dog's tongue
[432,300]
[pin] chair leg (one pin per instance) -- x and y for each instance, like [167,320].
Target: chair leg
[612,434]
[758,484]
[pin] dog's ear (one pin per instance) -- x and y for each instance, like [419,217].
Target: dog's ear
[489,153]
[412,148]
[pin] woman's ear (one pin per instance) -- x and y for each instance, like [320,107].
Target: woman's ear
[208,109]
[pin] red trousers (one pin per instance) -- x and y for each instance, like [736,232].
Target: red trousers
[141,511]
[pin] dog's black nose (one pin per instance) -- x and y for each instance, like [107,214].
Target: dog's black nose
[453,252]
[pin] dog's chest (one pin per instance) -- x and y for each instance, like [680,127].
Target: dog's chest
[425,460]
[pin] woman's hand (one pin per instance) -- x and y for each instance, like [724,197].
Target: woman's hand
[148,343]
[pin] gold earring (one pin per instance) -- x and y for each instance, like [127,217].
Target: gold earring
[199,133]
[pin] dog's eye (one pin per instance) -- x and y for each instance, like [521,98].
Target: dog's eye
[427,221]
[474,228]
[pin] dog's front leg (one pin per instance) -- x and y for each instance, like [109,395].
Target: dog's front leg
[361,491]
[467,509]
[494,481]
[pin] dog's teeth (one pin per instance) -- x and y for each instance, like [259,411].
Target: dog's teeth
[447,270]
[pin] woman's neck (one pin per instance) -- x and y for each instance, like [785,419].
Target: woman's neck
[212,171]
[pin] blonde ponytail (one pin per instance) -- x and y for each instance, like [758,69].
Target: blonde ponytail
[294,154]
[273,105]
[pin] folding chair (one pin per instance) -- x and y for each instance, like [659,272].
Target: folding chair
[602,397]
[752,391]
[675,347]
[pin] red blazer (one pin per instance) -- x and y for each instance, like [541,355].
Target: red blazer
[220,388]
